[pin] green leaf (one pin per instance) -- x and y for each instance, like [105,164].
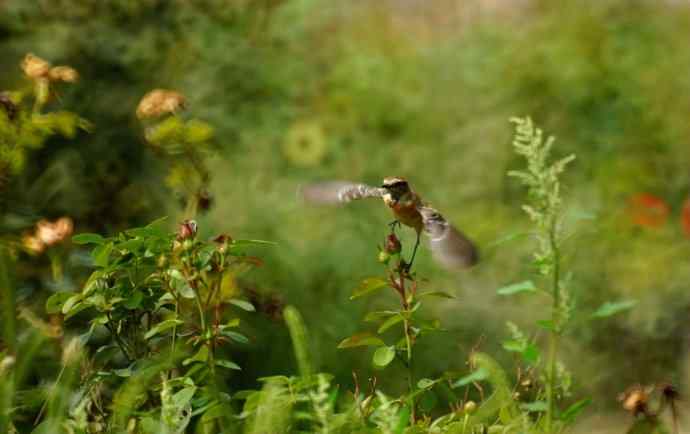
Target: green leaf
[478,375]
[526,286]
[425,383]
[368,286]
[365,339]
[200,356]
[546,324]
[55,302]
[390,322]
[242,304]
[161,327]
[440,294]
[383,356]
[238,337]
[242,243]
[571,412]
[611,308]
[536,406]
[101,254]
[134,300]
[184,396]
[71,302]
[228,364]
[87,238]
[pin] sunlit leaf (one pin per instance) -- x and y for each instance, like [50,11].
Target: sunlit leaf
[242,304]
[478,375]
[161,327]
[536,406]
[611,308]
[365,339]
[228,364]
[526,286]
[390,322]
[440,294]
[383,356]
[425,383]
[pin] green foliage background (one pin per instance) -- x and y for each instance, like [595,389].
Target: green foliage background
[304,90]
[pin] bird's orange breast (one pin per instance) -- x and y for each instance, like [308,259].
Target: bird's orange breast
[407,214]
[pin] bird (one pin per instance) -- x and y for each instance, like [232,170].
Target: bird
[449,246]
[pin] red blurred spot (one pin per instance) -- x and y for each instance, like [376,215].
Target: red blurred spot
[648,210]
[685,217]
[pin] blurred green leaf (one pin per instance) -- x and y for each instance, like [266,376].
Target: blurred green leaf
[478,375]
[161,327]
[383,356]
[526,286]
[242,304]
[440,294]
[611,308]
[368,286]
[390,322]
[87,238]
[536,406]
[575,409]
[228,364]
[364,339]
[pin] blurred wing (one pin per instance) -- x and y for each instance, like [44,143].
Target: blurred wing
[335,192]
[450,247]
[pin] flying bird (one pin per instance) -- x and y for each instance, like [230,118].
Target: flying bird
[450,247]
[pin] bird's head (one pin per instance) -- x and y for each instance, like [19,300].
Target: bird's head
[395,187]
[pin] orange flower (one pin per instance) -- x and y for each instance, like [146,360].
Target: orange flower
[648,210]
[52,233]
[685,217]
[159,102]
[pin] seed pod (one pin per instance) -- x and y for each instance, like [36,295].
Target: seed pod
[470,407]
[392,245]
[187,230]
[9,106]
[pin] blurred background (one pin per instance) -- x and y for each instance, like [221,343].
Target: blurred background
[309,90]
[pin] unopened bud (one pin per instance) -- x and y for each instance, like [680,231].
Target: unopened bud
[470,407]
[222,242]
[159,102]
[187,230]
[384,257]
[392,245]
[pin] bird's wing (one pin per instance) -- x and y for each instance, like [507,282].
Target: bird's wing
[450,247]
[336,192]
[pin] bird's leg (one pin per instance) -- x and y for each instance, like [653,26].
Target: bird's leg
[414,252]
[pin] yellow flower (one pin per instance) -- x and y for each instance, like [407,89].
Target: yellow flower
[305,144]
[158,102]
[63,73]
[35,67]
[51,233]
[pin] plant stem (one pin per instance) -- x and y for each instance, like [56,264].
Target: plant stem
[555,331]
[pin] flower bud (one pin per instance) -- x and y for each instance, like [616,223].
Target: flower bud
[392,245]
[222,241]
[470,407]
[187,230]
[384,257]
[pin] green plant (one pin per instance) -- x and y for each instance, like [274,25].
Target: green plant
[164,300]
